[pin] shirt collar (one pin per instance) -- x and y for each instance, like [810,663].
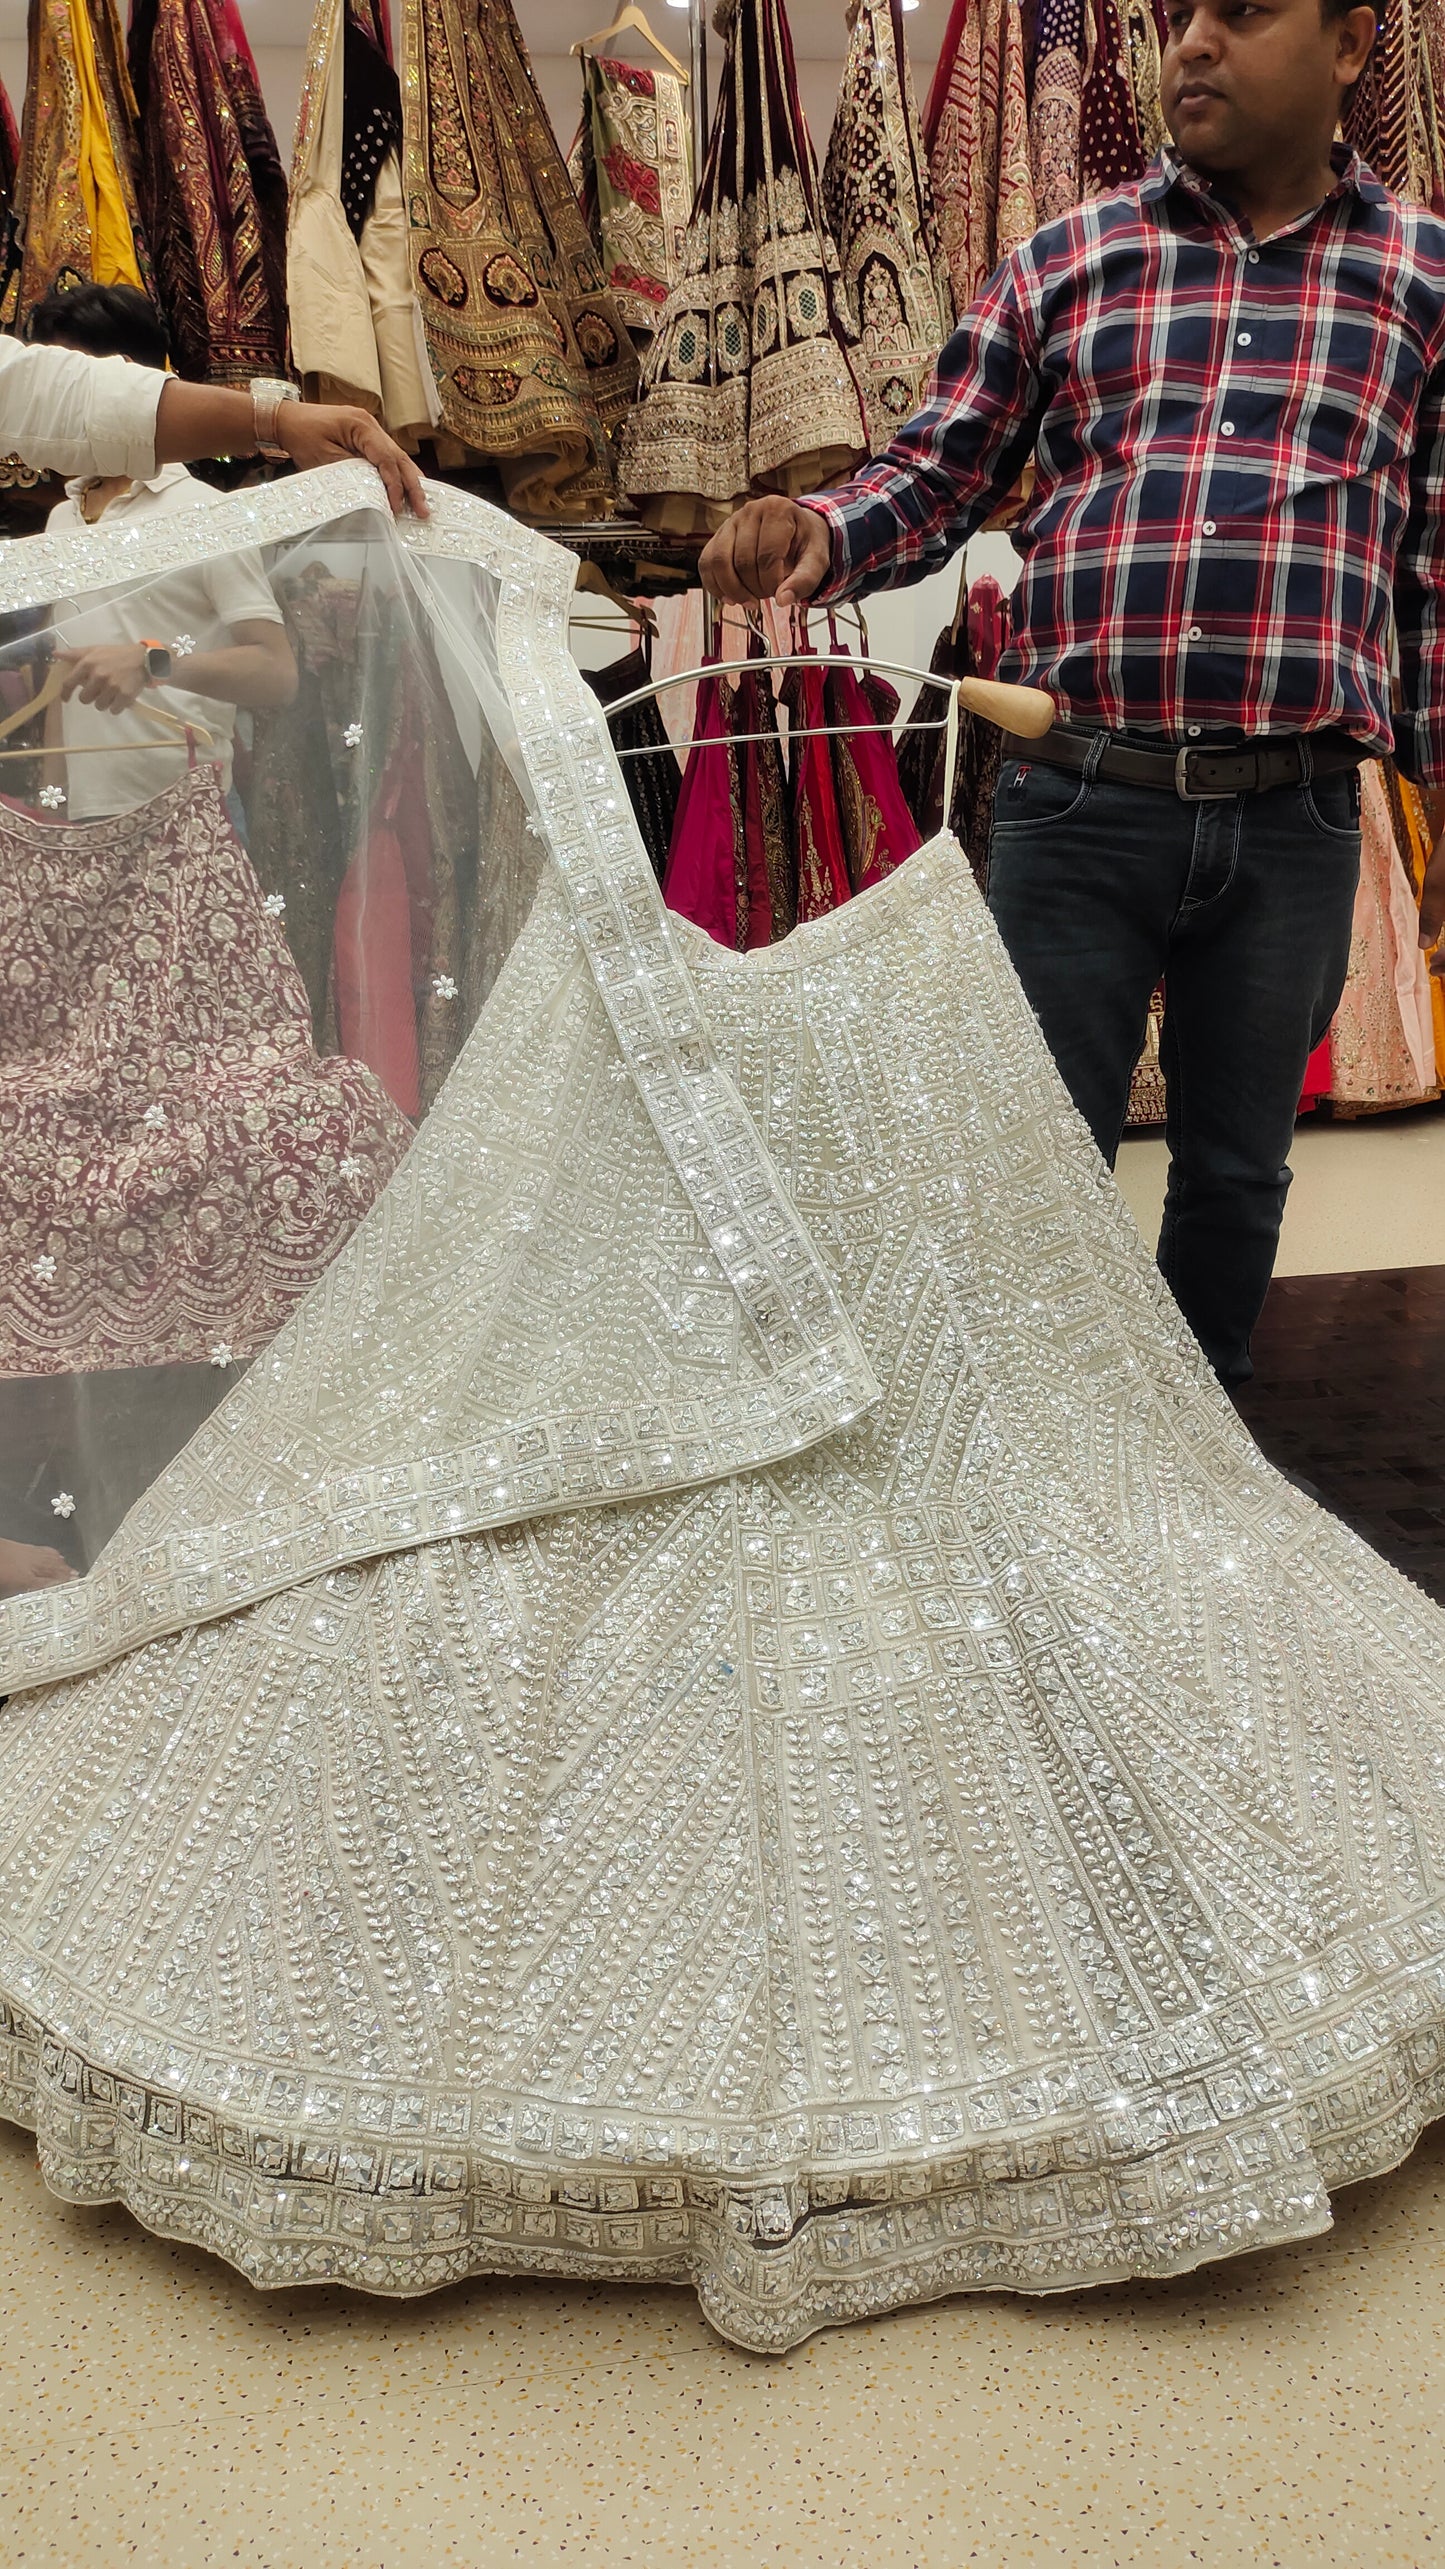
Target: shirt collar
[161,480]
[1170,169]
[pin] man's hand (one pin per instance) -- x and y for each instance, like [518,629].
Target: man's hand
[111,675]
[320,433]
[767,549]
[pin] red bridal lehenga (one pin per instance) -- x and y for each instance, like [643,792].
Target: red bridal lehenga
[728,1700]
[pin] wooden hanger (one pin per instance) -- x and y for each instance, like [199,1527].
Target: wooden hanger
[592,582]
[630,18]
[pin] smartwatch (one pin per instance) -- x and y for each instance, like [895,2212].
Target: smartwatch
[158,662]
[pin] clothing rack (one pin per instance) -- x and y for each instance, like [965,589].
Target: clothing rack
[1024,710]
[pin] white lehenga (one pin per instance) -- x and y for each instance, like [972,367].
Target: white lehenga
[730,1702]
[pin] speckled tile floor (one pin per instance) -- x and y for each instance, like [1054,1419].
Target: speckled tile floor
[1279,2412]
[1282,2409]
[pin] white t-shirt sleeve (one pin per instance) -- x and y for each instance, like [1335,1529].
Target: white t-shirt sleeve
[240,591]
[64,412]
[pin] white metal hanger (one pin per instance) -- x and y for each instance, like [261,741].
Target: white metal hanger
[1024,710]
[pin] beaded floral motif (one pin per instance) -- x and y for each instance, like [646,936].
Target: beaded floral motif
[216,1203]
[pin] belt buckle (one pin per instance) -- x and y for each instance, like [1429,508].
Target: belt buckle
[1188,793]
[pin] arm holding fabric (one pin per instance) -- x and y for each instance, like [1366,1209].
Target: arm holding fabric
[69,413]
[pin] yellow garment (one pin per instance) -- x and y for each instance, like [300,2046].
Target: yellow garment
[77,210]
[1416,856]
[112,242]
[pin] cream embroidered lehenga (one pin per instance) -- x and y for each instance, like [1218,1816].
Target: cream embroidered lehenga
[729,1701]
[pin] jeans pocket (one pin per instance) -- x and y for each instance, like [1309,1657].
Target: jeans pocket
[1030,796]
[1332,803]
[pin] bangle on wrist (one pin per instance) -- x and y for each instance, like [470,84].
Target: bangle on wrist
[267,395]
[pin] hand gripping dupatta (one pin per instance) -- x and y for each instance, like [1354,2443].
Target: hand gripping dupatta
[729,1700]
[214,190]
[749,383]
[878,199]
[532,357]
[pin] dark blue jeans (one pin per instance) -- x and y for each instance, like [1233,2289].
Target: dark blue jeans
[1245,908]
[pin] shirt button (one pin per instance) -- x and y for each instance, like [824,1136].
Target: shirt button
[1194,730]
[1196,633]
[1243,340]
[1226,428]
[1254,258]
[1209,526]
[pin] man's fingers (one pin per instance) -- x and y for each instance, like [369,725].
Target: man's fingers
[716,567]
[749,527]
[768,548]
[404,487]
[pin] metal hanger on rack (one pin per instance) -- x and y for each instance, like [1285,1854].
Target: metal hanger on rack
[1026,711]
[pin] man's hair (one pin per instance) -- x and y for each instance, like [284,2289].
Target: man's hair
[103,320]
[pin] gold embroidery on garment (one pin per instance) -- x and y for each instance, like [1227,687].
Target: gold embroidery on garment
[727,408]
[532,360]
[878,198]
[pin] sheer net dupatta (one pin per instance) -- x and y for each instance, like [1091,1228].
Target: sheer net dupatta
[585,1278]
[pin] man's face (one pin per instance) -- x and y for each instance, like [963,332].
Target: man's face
[1242,78]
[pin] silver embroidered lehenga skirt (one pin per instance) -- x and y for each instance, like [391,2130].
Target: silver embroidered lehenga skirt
[728,1701]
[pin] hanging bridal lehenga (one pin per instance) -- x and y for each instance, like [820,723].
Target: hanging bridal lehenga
[356,327]
[533,362]
[878,199]
[749,383]
[77,196]
[631,166]
[728,1700]
[213,190]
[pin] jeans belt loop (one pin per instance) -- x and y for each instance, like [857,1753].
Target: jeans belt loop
[1095,758]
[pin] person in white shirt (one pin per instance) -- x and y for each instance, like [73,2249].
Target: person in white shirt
[194,646]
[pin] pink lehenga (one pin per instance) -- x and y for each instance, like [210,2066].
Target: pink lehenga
[180,1164]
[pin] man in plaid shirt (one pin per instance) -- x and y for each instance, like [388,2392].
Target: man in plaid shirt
[1231,376]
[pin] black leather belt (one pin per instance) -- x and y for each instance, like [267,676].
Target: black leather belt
[1197,774]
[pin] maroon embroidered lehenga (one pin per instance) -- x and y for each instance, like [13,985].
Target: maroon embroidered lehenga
[213,189]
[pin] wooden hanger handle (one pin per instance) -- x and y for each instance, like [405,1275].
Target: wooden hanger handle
[1025,710]
[44,695]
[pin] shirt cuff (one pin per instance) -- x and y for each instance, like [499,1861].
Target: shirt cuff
[834,588]
[122,418]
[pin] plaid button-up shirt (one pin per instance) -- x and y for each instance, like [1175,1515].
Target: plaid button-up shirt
[1239,450]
